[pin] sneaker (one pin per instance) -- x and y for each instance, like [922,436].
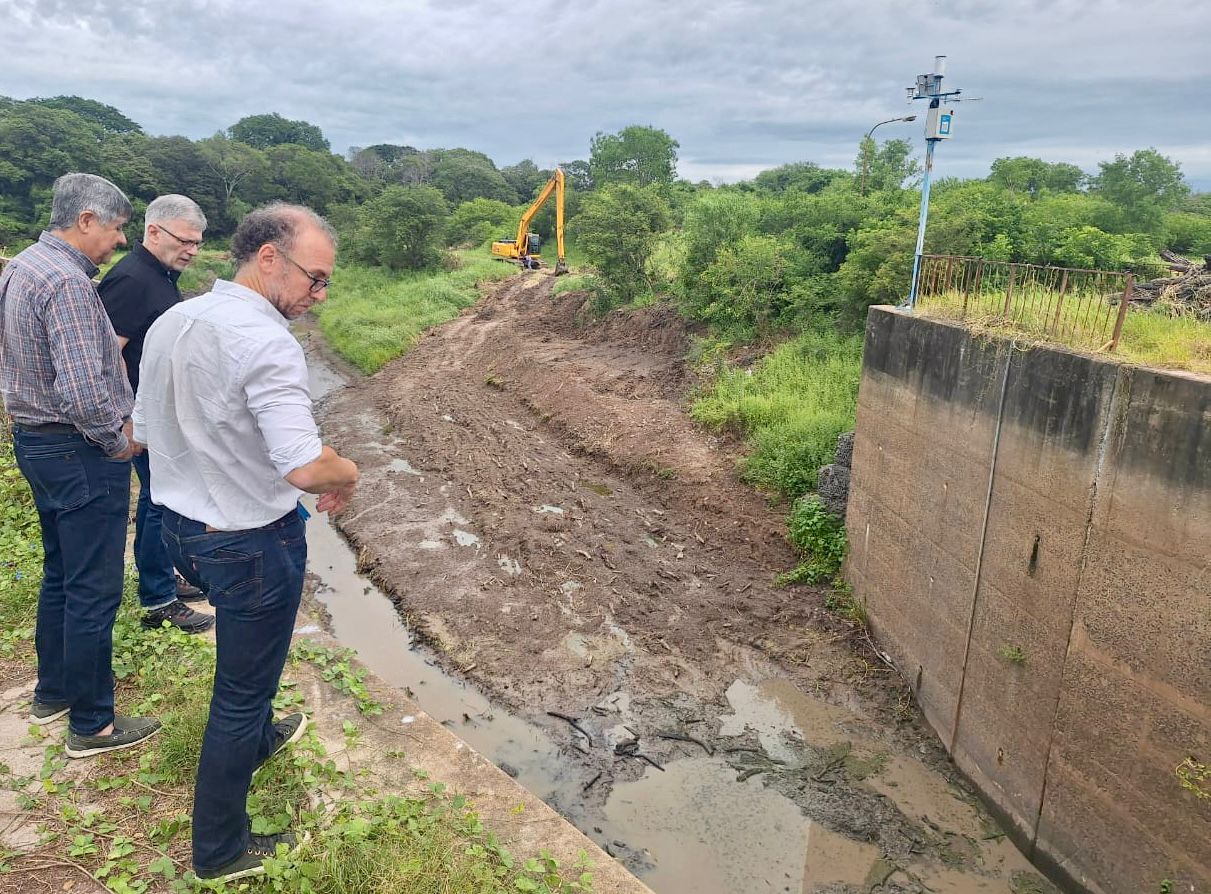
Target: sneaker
[128,732]
[42,713]
[252,861]
[178,614]
[187,592]
[287,731]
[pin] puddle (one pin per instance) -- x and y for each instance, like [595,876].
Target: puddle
[832,859]
[465,538]
[323,380]
[704,833]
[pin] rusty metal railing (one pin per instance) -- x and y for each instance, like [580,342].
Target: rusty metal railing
[1082,308]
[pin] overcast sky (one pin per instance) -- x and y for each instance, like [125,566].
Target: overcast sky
[743,86]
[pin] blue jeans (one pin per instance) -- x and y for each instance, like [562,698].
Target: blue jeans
[254,579]
[83,498]
[157,577]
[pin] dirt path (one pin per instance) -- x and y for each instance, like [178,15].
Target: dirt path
[544,512]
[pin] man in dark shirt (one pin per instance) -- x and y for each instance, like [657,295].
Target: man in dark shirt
[71,405]
[136,292]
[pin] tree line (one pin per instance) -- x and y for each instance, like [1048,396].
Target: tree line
[796,243]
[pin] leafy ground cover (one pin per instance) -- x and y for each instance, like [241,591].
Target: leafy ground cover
[792,405]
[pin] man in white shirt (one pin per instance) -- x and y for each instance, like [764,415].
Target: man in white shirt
[225,411]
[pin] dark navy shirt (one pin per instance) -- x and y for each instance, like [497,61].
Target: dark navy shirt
[135,292]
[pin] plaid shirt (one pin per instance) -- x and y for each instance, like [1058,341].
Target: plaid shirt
[59,357]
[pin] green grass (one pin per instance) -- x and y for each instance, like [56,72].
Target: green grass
[792,406]
[209,265]
[373,315]
[1161,336]
[126,823]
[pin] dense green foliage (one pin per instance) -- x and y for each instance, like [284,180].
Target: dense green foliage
[616,229]
[402,228]
[265,131]
[819,538]
[640,156]
[796,245]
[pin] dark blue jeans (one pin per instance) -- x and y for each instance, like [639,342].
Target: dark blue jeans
[157,577]
[83,498]
[254,579]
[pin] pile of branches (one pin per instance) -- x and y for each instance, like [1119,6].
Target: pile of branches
[1187,289]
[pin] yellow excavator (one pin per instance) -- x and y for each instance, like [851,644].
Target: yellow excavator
[524,250]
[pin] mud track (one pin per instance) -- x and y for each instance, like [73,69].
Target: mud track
[544,512]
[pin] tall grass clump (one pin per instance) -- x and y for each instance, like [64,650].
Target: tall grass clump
[1157,337]
[792,406]
[373,315]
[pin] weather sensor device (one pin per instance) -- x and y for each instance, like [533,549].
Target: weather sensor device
[939,123]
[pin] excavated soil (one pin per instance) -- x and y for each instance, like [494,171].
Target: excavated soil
[545,514]
[615,548]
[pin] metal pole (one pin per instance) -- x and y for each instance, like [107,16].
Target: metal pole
[916,260]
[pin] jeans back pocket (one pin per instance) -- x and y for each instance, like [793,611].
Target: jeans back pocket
[233,579]
[56,475]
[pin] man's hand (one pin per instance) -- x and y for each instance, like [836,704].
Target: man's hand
[128,430]
[139,449]
[335,501]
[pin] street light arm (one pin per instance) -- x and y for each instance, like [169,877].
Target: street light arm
[889,121]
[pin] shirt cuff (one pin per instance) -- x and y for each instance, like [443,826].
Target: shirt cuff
[296,454]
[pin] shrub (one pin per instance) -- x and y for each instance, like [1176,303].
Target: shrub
[819,538]
[617,230]
[401,228]
[475,222]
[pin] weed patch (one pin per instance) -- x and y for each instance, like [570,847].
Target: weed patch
[792,406]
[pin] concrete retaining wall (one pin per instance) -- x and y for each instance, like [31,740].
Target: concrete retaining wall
[1031,531]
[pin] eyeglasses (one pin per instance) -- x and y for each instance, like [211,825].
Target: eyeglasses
[188,243]
[318,284]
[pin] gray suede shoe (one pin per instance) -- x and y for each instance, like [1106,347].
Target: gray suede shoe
[42,713]
[128,732]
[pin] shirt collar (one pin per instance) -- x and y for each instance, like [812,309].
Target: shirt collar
[83,261]
[255,299]
[141,252]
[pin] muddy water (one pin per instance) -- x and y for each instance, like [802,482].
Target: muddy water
[693,827]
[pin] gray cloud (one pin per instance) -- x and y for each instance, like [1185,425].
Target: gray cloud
[741,85]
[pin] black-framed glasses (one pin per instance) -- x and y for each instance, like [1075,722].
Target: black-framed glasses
[188,243]
[318,284]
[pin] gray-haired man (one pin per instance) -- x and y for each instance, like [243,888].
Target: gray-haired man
[70,403]
[139,288]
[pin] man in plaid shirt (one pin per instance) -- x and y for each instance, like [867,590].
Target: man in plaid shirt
[65,388]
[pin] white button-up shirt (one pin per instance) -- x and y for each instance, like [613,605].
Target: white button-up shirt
[224,408]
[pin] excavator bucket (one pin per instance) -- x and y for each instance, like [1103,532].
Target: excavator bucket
[560,267]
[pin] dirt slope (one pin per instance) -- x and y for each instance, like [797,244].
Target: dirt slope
[617,546]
